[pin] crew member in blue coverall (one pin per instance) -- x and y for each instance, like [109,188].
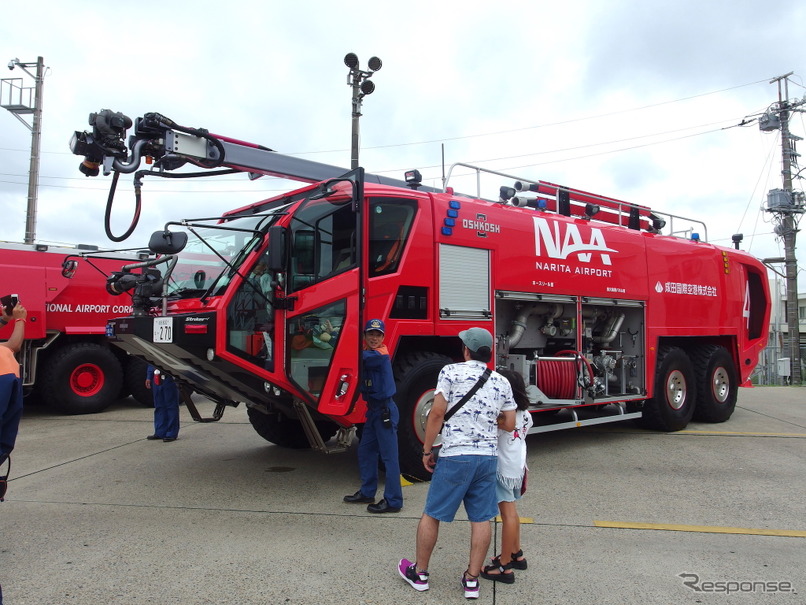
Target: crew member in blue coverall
[379,439]
[166,405]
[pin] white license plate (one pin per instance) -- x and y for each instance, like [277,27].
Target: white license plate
[163,329]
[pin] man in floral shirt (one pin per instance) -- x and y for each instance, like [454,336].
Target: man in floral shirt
[466,471]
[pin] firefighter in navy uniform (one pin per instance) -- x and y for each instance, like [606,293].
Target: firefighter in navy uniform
[166,405]
[379,438]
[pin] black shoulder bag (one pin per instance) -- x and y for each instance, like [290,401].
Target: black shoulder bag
[4,481]
[479,383]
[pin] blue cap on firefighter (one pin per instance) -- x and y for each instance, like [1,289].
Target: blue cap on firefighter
[476,338]
[375,324]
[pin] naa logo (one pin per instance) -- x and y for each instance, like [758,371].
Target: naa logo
[551,241]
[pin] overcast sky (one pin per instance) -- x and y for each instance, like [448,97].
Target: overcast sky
[635,99]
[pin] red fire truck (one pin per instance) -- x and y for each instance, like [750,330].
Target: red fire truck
[66,359]
[605,316]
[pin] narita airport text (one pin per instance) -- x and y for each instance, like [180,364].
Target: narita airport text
[561,268]
[68,308]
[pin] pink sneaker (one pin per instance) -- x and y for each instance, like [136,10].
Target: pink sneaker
[471,586]
[417,579]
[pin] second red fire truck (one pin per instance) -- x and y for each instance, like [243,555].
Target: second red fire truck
[66,360]
[605,316]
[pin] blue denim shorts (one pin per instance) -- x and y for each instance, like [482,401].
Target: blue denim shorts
[458,479]
[507,494]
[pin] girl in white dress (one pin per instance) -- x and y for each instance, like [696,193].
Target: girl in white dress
[511,485]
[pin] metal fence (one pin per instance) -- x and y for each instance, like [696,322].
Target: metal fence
[773,367]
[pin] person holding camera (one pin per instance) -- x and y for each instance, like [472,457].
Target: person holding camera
[379,438]
[10,384]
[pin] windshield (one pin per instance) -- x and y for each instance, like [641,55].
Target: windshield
[213,254]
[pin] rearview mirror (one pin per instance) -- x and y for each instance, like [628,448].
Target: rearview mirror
[69,268]
[277,249]
[168,242]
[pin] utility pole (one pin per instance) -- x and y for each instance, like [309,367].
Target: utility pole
[786,206]
[16,98]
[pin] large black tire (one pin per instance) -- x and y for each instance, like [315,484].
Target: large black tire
[134,376]
[81,378]
[672,406]
[416,378]
[284,431]
[717,384]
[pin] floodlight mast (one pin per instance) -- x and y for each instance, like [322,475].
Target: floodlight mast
[359,81]
[18,105]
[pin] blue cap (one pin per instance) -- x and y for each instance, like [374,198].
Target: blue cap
[375,324]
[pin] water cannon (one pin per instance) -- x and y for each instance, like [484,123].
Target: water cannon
[146,286]
[525,186]
[522,201]
[107,139]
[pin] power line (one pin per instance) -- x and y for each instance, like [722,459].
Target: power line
[548,124]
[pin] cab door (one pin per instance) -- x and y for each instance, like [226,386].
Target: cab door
[322,309]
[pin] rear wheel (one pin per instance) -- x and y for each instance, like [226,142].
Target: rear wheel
[717,384]
[672,406]
[284,431]
[81,378]
[416,377]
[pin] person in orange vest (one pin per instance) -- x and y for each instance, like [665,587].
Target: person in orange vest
[10,389]
[379,438]
[10,384]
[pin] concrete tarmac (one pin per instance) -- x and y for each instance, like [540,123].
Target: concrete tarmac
[96,514]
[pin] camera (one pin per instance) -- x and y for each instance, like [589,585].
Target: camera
[9,301]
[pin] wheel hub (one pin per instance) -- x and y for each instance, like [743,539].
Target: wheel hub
[676,389]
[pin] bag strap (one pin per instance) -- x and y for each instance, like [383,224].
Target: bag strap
[479,383]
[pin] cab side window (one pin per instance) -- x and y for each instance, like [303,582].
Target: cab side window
[323,243]
[390,223]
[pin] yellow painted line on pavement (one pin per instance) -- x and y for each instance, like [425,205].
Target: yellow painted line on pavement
[523,520]
[705,529]
[738,433]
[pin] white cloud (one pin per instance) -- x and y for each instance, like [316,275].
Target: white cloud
[272,73]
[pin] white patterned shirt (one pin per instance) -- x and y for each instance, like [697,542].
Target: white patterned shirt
[473,430]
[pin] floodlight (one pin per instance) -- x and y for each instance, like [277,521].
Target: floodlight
[413,178]
[375,64]
[351,60]
[367,87]
[506,193]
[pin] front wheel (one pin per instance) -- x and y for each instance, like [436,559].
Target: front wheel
[416,377]
[717,384]
[284,431]
[672,406]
